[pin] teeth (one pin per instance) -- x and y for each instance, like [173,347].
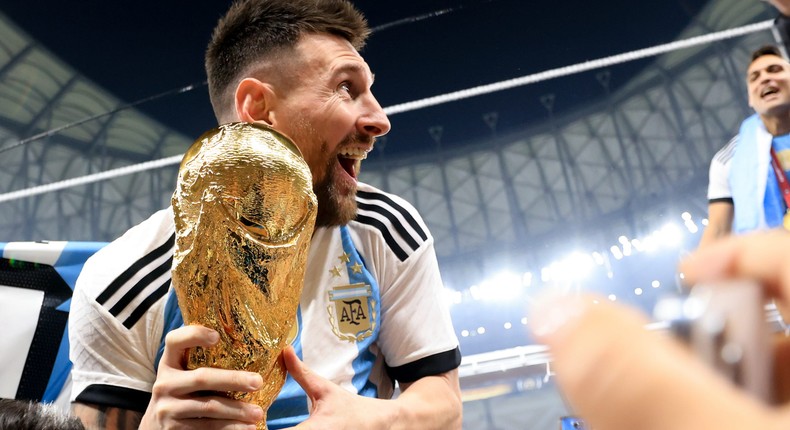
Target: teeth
[354,153]
[769,90]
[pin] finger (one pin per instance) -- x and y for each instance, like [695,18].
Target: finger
[761,257]
[311,383]
[203,423]
[183,338]
[187,382]
[218,408]
[781,372]
[617,375]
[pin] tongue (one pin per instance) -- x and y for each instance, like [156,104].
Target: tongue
[348,165]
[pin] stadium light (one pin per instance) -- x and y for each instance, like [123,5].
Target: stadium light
[503,286]
[452,297]
[616,253]
[671,235]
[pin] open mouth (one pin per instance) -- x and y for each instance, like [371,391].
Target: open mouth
[768,91]
[349,159]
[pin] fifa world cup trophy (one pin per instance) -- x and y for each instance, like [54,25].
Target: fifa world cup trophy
[244,213]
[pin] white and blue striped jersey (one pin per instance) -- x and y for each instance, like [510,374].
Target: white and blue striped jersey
[719,173]
[371,310]
[36,283]
[720,189]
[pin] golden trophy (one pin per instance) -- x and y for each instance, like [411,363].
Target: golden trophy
[244,214]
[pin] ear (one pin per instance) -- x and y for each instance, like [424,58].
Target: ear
[254,100]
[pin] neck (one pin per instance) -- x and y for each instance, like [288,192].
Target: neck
[777,125]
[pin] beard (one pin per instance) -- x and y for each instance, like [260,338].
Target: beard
[335,208]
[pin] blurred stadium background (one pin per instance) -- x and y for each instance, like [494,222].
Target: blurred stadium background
[604,196]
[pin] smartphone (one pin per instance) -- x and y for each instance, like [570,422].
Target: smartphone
[572,423]
[725,325]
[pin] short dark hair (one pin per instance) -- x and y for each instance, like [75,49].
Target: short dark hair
[766,50]
[24,415]
[256,30]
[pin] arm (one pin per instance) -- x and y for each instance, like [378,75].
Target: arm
[433,402]
[99,417]
[720,216]
[430,403]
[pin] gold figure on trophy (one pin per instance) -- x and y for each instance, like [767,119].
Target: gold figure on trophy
[244,213]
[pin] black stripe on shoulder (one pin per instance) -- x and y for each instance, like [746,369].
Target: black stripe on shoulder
[725,153]
[405,213]
[428,366]
[115,397]
[127,274]
[391,242]
[144,282]
[146,304]
[722,200]
[393,220]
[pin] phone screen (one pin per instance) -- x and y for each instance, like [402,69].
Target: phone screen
[572,423]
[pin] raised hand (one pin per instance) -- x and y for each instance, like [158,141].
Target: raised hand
[618,376]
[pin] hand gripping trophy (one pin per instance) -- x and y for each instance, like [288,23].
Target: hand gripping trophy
[244,212]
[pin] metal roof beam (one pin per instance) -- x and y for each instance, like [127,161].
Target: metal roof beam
[481,202]
[15,60]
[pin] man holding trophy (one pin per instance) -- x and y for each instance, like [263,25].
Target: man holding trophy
[200,347]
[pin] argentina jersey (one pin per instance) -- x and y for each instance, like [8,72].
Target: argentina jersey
[36,284]
[775,206]
[416,336]
[337,324]
[116,322]
[364,285]
[719,173]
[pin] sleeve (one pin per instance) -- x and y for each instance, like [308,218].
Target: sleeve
[417,337]
[116,323]
[719,173]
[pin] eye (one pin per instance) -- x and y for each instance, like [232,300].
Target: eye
[344,87]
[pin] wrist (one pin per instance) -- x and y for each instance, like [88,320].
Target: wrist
[400,415]
[146,421]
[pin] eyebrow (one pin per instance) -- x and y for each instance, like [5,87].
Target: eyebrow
[354,68]
[767,68]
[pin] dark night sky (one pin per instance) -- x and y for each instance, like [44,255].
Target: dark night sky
[135,49]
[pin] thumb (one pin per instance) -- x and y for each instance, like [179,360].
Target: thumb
[311,383]
[617,375]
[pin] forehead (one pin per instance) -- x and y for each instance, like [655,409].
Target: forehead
[326,52]
[764,61]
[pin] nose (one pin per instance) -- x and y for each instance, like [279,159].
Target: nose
[373,121]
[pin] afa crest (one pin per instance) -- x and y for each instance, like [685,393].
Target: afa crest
[352,312]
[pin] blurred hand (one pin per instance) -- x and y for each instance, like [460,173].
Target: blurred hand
[783,6]
[178,400]
[618,376]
